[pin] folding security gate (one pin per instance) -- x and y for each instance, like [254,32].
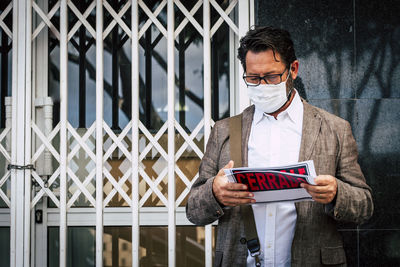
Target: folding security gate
[106,109]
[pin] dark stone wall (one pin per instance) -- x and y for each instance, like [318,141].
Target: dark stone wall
[349,53]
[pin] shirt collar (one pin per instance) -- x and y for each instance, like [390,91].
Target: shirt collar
[294,111]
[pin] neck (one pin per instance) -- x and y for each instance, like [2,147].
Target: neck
[285,106]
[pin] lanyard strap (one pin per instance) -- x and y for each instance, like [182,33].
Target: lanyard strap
[235,146]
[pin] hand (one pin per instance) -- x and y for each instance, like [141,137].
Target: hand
[230,194]
[325,189]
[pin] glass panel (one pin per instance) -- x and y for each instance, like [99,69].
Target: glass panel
[189,72]
[117,249]
[4,246]
[220,73]
[154,246]
[80,246]
[153,79]
[117,70]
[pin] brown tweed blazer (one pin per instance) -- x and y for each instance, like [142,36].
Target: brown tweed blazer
[328,141]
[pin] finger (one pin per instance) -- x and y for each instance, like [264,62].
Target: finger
[237,194]
[235,186]
[322,199]
[238,201]
[319,196]
[317,189]
[324,180]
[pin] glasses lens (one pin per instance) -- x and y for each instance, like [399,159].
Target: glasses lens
[252,80]
[273,79]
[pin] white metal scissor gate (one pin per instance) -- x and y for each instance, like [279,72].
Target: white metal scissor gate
[120,146]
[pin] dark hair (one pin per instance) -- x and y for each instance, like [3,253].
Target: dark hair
[262,38]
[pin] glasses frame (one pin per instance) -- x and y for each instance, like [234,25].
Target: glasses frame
[263,78]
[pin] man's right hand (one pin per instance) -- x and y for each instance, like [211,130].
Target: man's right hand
[230,194]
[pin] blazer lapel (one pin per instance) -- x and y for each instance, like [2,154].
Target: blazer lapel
[247,119]
[311,127]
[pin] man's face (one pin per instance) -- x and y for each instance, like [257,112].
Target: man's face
[264,63]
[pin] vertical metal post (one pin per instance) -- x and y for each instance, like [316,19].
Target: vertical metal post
[233,83]
[99,133]
[28,116]
[18,132]
[135,133]
[207,109]
[42,114]
[244,25]
[171,133]
[252,10]
[63,130]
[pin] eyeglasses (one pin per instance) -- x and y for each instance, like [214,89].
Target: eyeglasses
[254,80]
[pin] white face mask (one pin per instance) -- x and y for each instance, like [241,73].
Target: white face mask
[268,97]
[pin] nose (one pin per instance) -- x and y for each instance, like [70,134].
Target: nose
[262,81]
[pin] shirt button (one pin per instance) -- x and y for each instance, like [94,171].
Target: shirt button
[270,215]
[243,240]
[269,246]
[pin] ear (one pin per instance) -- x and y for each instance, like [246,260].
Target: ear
[294,69]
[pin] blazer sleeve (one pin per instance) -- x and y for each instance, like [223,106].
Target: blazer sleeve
[353,199]
[202,207]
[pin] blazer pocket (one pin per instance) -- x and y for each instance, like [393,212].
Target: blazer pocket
[333,255]
[218,258]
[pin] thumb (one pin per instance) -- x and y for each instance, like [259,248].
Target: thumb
[229,165]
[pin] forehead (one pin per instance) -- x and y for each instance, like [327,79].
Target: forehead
[263,62]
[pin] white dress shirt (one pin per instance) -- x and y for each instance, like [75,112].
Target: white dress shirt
[275,142]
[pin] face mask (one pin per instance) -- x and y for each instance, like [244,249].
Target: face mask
[268,97]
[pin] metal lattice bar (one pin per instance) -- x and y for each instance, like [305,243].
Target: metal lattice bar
[153,18]
[81,19]
[3,15]
[189,16]
[228,10]
[149,20]
[117,18]
[185,21]
[46,19]
[3,196]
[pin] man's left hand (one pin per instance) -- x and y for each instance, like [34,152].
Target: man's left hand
[324,190]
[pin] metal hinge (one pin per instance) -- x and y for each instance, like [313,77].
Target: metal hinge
[20,167]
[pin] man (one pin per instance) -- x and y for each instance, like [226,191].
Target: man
[280,129]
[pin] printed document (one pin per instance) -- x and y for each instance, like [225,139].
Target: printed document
[273,184]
